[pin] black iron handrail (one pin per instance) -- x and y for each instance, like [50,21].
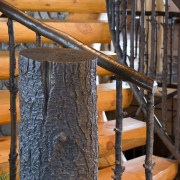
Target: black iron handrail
[66,40]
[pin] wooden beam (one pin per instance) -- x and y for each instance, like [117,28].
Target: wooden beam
[97,6]
[107,97]
[5,105]
[4,64]
[134,135]
[88,32]
[101,71]
[163,169]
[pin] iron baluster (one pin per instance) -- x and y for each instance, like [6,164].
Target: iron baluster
[150,137]
[172,117]
[150,104]
[137,23]
[142,38]
[133,9]
[156,45]
[147,47]
[113,16]
[119,169]
[164,73]
[38,40]
[171,48]
[13,94]
[124,29]
[177,130]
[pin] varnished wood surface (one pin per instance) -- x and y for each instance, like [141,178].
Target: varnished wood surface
[4,64]
[164,169]
[4,107]
[5,149]
[134,135]
[107,97]
[101,71]
[88,32]
[60,5]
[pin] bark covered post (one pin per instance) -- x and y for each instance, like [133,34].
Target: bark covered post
[58,116]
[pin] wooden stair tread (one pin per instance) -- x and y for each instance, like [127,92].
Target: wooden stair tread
[4,107]
[4,64]
[164,169]
[107,97]
[106,101]
[88,32]
[97,6]
[134,135]
[5,148]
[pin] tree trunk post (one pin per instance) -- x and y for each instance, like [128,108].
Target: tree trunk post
[58,115]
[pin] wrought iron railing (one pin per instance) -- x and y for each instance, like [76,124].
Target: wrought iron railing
[117,17]
[118,67]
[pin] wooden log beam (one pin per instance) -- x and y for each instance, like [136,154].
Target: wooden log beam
[88,32]
[81,6]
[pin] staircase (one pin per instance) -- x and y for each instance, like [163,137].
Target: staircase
[89,31]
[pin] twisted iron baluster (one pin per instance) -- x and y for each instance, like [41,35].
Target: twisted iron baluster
[13,94]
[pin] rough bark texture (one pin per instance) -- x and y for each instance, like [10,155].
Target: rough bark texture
[58,129]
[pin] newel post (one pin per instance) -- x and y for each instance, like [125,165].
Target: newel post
[58,115]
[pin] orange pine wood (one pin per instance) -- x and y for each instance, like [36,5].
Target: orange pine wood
[101,71]
[164,169]
[60,6]
[107,97]
[82,16]
[4,107]
[134,135]
[5,149]
[86,31]
[4,64]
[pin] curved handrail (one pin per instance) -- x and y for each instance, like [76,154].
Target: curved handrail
[66,40]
